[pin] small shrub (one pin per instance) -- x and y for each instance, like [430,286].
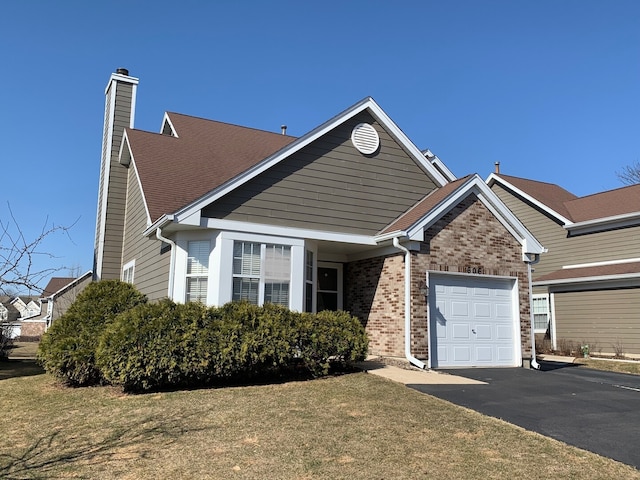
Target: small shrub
[618,349]
[566,347]
[331,337]
[67,350]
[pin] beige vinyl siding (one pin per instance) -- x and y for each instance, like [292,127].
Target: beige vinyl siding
[600,318]
[117,184]
[564,250]
[151,274]
[329,185]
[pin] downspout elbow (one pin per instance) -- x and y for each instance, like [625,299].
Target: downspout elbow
[407,305]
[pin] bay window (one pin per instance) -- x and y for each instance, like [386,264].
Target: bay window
[261,272]
[197,271]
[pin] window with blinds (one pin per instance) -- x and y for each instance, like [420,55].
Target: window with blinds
[197,271]
[261,273]
[540,312]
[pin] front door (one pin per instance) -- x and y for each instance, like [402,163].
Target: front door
[329,290]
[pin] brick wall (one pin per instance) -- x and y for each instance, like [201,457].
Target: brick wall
[32,329]
[468,236]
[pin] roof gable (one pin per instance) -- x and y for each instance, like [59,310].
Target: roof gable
[438,203]
[199,155]
[611,209]
[367,104]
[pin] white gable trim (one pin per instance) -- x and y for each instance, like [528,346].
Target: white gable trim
[166,119]
[126,158]
[474,185]
[599,224]
[493,178]
[365,104]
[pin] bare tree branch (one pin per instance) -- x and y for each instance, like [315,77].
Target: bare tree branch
[18,256]
[630,174]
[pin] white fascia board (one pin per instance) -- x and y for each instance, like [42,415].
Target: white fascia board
[166,119]
[439,164]
[493,178]
[161,222]
[125,154]
[476,186]
[583,280]
[296,145]
[71,284]
[132,164]
[601,264]
[598,224]
[289,232]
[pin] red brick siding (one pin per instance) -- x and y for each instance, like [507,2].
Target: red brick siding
[32,329]
[468,236]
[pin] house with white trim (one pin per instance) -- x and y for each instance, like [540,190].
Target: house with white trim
[587,287]
[352,216]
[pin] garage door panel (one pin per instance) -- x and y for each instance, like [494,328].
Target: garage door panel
[472,320]
[483,332]
[484,354]
[460,309]
[482,310]
[461,353]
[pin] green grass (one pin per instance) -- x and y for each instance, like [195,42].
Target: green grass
[356,426]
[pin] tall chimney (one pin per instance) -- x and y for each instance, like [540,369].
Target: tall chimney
[497,164]
[120,99]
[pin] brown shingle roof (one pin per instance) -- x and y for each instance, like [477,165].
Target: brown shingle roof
[579,209]
[176,171]
[55,284]
[586,272]
[424,206]
[605,204]
[549,194]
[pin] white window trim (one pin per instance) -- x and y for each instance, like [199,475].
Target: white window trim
[545,296]
[206,275]
[225,272]
[129,265]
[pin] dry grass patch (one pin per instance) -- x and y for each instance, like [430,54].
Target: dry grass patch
[632,367]
[354,426]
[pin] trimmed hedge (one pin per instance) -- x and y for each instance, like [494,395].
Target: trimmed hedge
[67,350]
[168,345]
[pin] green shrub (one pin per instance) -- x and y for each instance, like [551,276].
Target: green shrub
[67,350]
[159,345]
[168,345]
[330,337]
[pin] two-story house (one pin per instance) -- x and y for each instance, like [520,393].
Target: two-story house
[587,287]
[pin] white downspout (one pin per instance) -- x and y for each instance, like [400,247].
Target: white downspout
[172,262]
[407,304]
[534,363]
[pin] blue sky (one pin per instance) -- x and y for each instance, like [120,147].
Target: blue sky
[549,88]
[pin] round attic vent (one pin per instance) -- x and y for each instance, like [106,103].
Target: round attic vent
[365,138]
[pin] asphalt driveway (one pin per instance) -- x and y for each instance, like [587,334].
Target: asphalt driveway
[594,410]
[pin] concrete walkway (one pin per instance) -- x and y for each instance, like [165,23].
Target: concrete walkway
[412,375]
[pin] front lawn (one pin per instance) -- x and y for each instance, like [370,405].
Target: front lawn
[353,426]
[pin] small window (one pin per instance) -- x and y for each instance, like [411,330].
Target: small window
[3,312]
[197,271]
[128,271]
[541,313]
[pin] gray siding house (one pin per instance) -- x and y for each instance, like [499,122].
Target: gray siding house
[350,216]
[587,287]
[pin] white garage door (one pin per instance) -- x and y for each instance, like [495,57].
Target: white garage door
[472,321]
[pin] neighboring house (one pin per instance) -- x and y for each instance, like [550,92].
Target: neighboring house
[588,283]
[351,215]
[60,293]
[22,315]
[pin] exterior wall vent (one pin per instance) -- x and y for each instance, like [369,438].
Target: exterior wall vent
[365,138]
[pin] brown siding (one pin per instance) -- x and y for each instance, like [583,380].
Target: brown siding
[603,319]
[63,301]
[468,236]
[116,184]
[329,185]
[151,274]
[563,250]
